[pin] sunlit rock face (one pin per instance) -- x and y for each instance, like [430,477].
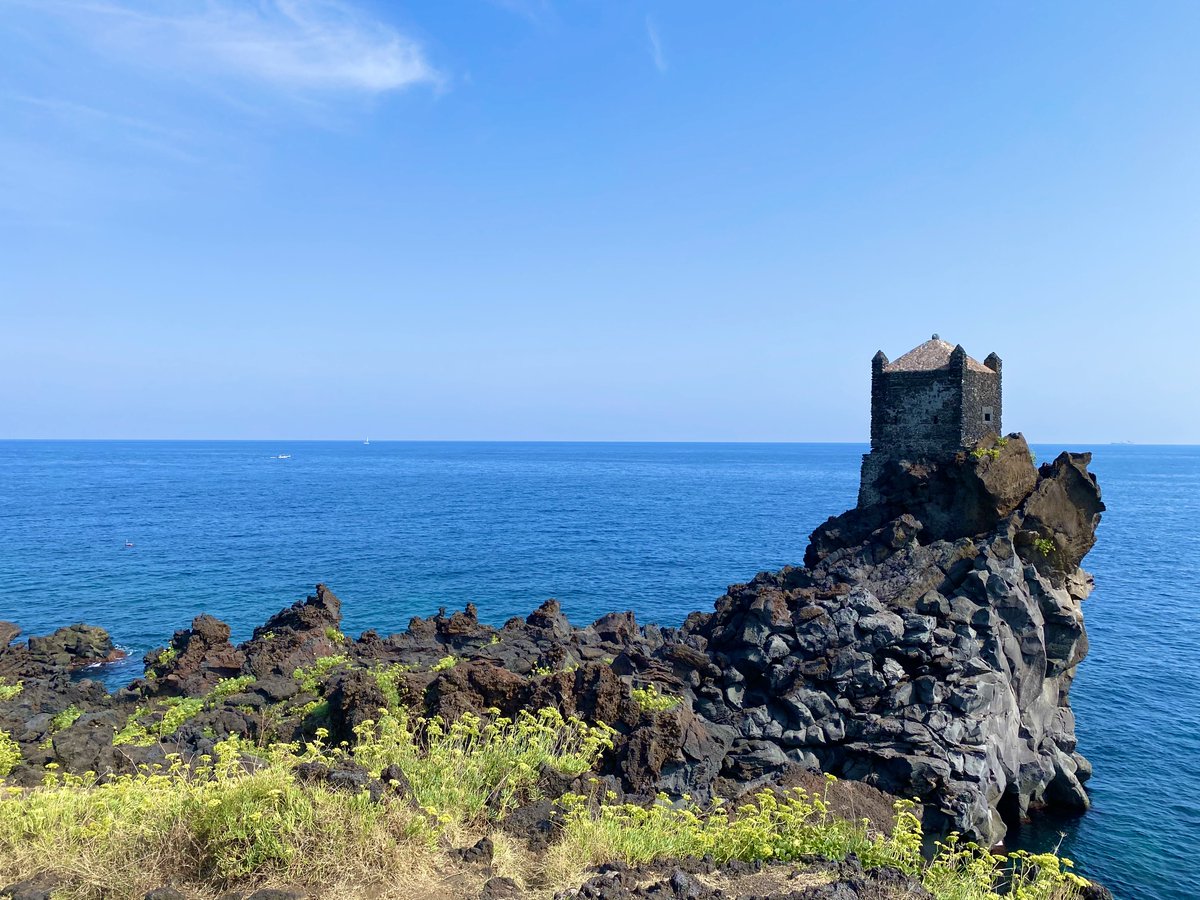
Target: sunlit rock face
[929,646]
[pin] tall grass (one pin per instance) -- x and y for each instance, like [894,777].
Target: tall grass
[244,819]
[472,768]
[792,827]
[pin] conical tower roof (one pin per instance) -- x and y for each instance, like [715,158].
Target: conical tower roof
[931,355]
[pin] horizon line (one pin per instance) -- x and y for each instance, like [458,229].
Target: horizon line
[265,440]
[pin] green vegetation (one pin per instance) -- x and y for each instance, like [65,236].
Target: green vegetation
[243,820]
[334,635]
[312,677]
[142,729]
[10,754]
[446,662]
[650,700]
[992,452]
[470,769]
[315,712]
[215,826]
[167,656]
[388,680]
[9,691]
[225,822]
[230,686]
[1045,546]
[65,719]
[175,711]
[790,828]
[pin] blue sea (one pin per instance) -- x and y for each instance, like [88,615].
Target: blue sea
[400,529]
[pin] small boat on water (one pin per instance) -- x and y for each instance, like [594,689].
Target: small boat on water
[128,545]
[284,456]
[366,442]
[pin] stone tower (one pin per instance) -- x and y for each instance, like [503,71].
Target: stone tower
[930,403]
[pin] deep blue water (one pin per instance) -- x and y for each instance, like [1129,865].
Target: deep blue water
[399,529]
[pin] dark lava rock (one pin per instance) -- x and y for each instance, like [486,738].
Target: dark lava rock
[40,887]
[195,661]
[296,637]
[501,889]
[480,853]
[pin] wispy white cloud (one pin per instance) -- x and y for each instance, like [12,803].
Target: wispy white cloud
[297,45]
[90,119]
[656,50]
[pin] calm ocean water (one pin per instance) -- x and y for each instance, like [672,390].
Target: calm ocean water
[399,529]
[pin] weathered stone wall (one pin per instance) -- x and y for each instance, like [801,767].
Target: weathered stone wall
[916,414]
[980,398]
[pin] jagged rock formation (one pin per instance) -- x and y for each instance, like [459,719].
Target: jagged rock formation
[929,660]
[926,649]
[66,650]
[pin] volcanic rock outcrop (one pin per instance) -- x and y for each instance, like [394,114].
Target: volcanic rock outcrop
[926,649]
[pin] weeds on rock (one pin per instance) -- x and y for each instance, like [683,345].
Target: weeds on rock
[650,700]
[791,827]
[474,769]
[312,677]
[387,678]
[1045,546]
[65,719]
[243,818]
[10,754]
[9,691]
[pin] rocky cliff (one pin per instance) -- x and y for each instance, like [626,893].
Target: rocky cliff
[926,649]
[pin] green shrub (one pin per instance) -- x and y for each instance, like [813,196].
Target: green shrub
[387,678]
[312,677]
[167,656]
[10,754]
[462,771]
[649,699]
[446,662]
[230,686]
[213,827]
[796,826]
[334,635]
[175,711]
[224,824]
[1045,546]
[65,719]
[9,691]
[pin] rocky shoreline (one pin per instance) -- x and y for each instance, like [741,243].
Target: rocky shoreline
[925,650]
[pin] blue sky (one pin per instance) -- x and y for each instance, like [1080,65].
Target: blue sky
[531,219]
